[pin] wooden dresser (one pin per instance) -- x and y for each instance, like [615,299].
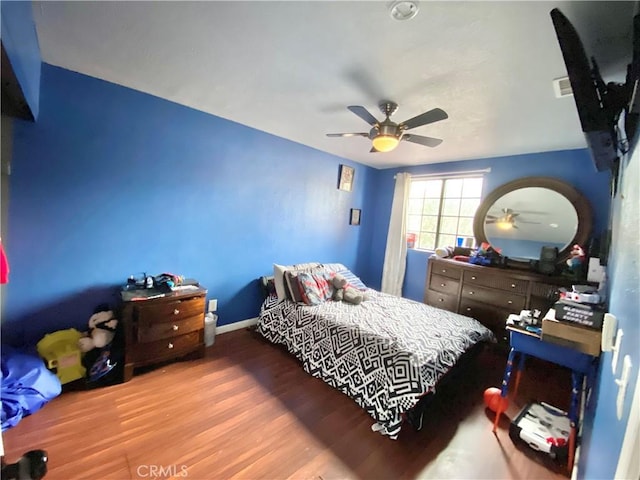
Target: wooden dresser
[488,294]
[162,328]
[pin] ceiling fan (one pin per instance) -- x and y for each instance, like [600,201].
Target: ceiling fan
[386,135]
[507,220]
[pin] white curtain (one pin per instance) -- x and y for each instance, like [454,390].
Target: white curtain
[395,256]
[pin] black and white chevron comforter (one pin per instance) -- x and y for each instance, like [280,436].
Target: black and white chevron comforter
[385,353]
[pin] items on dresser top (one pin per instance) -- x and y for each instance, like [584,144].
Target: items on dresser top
[488,294]
[164,327]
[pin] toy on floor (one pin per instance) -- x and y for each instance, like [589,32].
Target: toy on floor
[102,329]
[103,348]
[62,355]
[31,466]
[493,399]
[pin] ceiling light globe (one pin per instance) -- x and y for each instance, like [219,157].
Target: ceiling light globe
[504,225]
[385,143]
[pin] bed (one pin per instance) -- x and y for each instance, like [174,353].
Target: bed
[386,353]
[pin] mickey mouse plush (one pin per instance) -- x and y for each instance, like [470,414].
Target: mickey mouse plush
[102,329]
[103,348]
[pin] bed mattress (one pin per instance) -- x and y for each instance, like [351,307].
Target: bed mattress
[385,353]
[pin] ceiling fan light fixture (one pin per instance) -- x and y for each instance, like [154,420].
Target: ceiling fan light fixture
[504,224]
[385,143]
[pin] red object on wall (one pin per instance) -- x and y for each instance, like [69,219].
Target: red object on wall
[4,265]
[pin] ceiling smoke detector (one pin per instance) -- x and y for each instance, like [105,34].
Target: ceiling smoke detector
[403,9]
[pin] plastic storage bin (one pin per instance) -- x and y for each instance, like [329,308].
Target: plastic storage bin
[210,321]
[62,355]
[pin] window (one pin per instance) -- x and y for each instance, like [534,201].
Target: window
[441,210]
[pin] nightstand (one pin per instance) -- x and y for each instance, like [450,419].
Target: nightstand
[160,328]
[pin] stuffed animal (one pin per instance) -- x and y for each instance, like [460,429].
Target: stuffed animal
[576,257]
[102,329]
[344,292]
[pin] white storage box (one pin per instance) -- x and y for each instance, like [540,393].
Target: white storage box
[544,428]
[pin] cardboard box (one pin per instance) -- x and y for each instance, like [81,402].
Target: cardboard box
[586,340]
[579,313]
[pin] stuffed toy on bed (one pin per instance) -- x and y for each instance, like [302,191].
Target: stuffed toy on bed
[344,292]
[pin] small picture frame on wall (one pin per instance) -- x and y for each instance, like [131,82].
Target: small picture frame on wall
[346,175]
[354,217]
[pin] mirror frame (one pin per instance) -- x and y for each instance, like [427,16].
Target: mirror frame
[579,202]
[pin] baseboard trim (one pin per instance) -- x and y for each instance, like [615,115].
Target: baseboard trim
[236,326]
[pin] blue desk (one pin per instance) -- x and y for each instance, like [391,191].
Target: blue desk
[581,364]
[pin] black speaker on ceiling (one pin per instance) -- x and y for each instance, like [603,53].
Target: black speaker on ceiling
[548,260]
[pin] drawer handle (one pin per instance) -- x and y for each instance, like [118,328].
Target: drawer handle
[470,292]
[175,327]
[468,309]
[444,270]
[176,311]
[443,284]
[473,278]
[513,285]
[509,302]
[170,346]
[441,299]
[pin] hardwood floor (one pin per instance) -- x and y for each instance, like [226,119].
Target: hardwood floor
[248,410]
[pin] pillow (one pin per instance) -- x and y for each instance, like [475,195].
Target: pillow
[333,267]
[293,287]
[282,289]
[291,284]
[352,280]
[278,280]
[315,287]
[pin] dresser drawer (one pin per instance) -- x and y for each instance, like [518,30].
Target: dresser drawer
[157,330]
[493,318]
[441,300]
[172,311]
[496,298]
[168,348]
[545,291]
[486,279]
[444,284]
[445,269]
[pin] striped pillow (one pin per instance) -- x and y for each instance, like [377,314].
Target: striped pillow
[352,280]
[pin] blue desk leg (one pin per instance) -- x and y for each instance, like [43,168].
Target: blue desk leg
[505,387]
[519,372]
[577,379]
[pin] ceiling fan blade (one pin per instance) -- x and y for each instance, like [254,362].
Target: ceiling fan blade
[431,116]
[364,114]
[426,141]
[373,150]
[489,222]
[491,217]
[347,134]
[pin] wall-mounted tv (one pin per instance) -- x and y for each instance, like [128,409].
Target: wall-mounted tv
[599,105]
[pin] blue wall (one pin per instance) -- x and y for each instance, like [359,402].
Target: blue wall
[20,41]
[603,432]
[111,182]
[573,166]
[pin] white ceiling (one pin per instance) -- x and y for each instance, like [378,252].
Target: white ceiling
[291,68]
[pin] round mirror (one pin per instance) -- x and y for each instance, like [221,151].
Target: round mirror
[525,215]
